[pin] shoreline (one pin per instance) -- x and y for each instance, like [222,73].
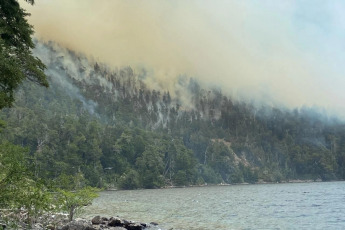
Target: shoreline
[58,221]
[294,181]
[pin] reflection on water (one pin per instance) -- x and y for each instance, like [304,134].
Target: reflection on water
[265,206]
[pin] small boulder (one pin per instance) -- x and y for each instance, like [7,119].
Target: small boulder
[114,222]
[135,226]
[78,225]
[96,220]
[126,222]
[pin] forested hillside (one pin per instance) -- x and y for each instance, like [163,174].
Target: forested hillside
[110,128]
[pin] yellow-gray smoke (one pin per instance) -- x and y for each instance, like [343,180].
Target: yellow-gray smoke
[241,46]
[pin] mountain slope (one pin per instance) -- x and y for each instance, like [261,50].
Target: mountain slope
[112,129]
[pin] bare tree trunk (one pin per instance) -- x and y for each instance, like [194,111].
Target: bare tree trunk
[71,213]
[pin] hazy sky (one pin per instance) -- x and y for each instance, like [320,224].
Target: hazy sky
[291,52]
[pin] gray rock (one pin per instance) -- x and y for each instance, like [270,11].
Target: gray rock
[134,226]
[126,222]
[89,228]
[78,225]
[105,219]
[96,220]
[115,222]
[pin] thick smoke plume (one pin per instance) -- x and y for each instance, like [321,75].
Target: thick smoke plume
[273,51]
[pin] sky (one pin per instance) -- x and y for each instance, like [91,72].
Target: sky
[283,52]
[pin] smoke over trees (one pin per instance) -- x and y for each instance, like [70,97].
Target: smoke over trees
[280,51]
[137,136]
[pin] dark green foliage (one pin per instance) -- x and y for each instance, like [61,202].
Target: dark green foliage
[150,167]
[16,59]
[13,172]
[19,188]
[23,170]
[129,180]
[181,178]
[113,131]
[208,174]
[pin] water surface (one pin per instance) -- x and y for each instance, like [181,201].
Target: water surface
[263,206]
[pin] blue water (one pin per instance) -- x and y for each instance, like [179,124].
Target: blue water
[264,206]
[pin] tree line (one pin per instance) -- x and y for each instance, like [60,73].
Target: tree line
[137,137]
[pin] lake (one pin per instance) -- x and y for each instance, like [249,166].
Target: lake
[261,206]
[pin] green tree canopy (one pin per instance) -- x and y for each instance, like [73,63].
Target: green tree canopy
[17,62]
[18,186]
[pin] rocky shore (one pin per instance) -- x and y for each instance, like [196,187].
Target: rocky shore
[112,223]
[59,222]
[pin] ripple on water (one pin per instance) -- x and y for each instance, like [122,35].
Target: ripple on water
[275,206]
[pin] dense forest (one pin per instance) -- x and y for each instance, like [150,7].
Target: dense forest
[110,128]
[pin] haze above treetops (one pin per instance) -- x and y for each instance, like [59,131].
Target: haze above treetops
[277,52]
